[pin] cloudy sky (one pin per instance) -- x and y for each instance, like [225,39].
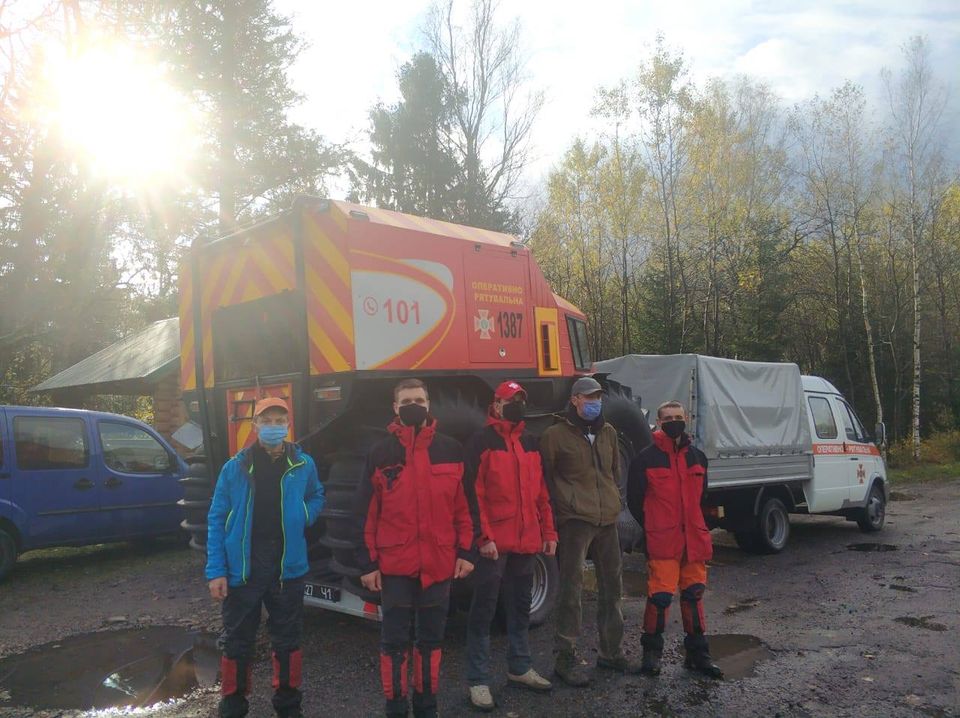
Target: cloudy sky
[799,48]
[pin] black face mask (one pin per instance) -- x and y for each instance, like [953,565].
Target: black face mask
[674,429]
[412,414]
[514,411]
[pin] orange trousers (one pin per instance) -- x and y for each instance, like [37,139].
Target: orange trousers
[664,577]
[667,575]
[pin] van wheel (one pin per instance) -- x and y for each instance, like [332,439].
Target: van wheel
[871,517]
[546,579]
[8,553]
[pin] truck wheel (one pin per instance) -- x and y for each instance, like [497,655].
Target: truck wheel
[773,526]
[8,553]
[771,529]
[546,580]
[871,517]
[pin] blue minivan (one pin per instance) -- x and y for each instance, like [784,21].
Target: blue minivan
[70,477]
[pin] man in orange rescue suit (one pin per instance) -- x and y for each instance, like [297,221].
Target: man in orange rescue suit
[505,486]
[665,491]
[418,535]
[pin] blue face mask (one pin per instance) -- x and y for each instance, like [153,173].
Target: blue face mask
[271,435]
[590,410]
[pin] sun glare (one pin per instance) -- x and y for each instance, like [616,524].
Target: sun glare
[116,109]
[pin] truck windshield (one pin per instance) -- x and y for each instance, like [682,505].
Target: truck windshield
[262,337]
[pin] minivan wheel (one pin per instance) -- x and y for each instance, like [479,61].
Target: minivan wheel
[8,553]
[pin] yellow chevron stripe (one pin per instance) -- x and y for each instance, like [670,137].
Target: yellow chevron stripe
[327,348]
[330,303]
[329,252]
[269,268]
[212,281]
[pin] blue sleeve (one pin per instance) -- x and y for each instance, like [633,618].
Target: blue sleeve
[217,527]
[313,498]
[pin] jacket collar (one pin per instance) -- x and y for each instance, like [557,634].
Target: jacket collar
[665,443]
[408,436]
[291,452]
[504,428]
[582,425]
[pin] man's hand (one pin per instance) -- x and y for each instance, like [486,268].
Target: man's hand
[218,588]
[489,550]
[463,568]
[549,548]
[371,581]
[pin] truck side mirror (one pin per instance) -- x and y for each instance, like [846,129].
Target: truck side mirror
[880,434]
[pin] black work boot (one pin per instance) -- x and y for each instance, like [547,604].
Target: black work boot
[569,670]
[652,653]
[698,656]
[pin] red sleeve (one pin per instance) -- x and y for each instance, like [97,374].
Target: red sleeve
[465,525]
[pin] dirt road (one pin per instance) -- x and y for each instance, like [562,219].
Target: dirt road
[827,628]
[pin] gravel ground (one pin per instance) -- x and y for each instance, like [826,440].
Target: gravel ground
[818,630]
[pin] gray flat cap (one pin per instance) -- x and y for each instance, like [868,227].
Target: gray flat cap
[585,385]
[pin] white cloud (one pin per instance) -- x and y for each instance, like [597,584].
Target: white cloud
[574,47]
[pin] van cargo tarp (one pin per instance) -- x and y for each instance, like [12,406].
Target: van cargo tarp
[737,408]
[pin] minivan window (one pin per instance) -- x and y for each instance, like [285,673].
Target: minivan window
[823,417]
[132,450]
[46,442]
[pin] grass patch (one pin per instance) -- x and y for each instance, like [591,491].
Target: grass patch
[924,473]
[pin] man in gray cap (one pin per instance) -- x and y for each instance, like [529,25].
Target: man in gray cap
[581,463]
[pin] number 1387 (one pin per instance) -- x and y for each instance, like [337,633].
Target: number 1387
[510,324]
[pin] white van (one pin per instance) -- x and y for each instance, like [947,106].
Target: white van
[776,442]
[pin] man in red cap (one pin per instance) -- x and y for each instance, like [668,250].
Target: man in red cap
[505,486]
[266,497]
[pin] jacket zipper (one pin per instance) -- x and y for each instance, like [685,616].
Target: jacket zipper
[283,523]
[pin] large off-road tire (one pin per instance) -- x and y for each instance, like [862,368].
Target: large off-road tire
[625,414]
[195,504]
[872,516]
[8,553]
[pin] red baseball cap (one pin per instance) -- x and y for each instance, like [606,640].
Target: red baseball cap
[508,390]
[270,403]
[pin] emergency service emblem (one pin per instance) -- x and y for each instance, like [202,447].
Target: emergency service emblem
[483,323]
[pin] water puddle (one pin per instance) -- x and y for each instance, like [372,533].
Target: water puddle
[738,654]
[921,622]
[110,669]
[634,582]
[871,547]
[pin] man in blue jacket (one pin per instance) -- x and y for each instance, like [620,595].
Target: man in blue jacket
[266,496]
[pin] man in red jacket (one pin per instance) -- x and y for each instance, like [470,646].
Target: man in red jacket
[505,487]
[418,535]
[665,490]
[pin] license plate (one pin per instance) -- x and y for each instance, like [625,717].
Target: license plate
[324,593]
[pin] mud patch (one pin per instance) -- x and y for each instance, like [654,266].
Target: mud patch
[921,622]
[872,547]
[634,582]
[110,669]
[905,589]
[738,654]
[901,496]
[741,606]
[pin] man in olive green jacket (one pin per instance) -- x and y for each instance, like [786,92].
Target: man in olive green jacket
[581,463]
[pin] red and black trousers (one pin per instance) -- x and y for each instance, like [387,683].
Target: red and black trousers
[411,610]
